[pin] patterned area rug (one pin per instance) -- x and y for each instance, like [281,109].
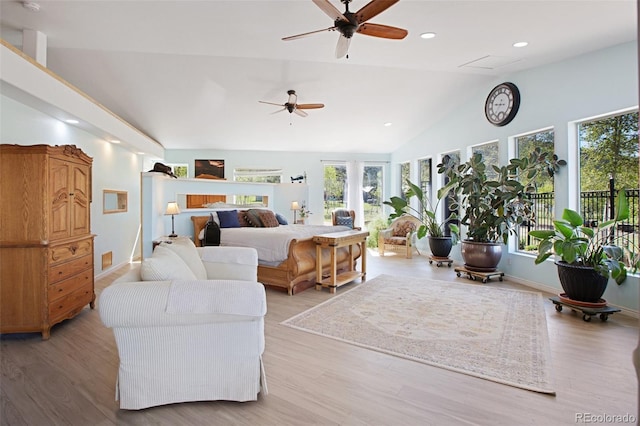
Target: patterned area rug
[492,333]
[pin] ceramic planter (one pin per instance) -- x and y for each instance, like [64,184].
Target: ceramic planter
[440,246]
[581,283]
[481,257]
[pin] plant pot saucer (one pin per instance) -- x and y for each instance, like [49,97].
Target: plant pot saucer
[599,304]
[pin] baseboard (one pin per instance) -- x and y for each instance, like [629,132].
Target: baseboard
[115,268]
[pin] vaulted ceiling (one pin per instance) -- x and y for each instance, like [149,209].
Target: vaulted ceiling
[190,73]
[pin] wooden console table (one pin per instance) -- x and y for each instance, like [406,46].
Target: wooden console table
[333,241]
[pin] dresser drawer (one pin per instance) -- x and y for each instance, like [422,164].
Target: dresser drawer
[69,251]
[69,305]
[63,288]
[65,270]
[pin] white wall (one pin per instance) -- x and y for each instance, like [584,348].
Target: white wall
[113,168]
[552,96]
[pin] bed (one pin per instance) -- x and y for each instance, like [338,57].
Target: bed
[295,271]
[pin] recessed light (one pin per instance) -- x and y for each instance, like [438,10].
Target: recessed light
[71,121]
[387,124]
[427,35]
[114,141]
[520,44]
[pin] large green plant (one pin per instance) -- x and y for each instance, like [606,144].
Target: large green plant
[577,244]
[494,207]
[425,213]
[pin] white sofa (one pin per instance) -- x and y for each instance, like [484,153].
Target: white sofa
[188,339]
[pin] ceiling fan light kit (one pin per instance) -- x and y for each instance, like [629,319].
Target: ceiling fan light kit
[350,23]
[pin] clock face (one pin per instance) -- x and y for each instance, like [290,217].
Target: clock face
[502,104]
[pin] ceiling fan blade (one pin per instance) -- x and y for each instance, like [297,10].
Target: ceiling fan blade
[297,36]
[309,106]
[270,103]
[300,112]
[342,48]
[373,8]
[280,110]
[384,31]
[330,10]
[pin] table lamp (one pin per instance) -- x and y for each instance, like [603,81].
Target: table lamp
[172,209]
[295,207]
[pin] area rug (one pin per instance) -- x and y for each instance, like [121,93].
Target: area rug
[488,332]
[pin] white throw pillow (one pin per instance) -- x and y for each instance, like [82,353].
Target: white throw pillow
[187,251]
[165,265]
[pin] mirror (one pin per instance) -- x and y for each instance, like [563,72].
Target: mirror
[114,201]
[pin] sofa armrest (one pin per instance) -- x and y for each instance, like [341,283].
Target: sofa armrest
[144,304]
[230,263]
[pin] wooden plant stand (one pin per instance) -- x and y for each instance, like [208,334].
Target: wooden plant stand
[473,275]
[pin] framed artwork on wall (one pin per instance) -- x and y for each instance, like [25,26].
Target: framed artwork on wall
[209,169]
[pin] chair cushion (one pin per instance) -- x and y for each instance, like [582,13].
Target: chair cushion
[403,228]
[396,241]
[228,219]
[344,221]
[165,265]
[187,251]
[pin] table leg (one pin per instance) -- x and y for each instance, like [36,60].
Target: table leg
[318,267]
[334,269]
[363,255]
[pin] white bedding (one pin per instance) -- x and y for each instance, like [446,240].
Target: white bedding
[272,244]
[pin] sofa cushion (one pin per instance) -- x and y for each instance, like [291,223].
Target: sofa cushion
[228,219]
[165,265]
[268,218]
[344,221]
[187,251]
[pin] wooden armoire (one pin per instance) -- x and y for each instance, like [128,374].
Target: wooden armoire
[46,245]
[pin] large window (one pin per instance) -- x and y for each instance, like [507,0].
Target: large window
[257,175]
[335,187]
[405,173]
[543,198]
[609,163]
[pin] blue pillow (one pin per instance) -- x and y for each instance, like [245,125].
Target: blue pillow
[228,219]
[344,221]
[281,219]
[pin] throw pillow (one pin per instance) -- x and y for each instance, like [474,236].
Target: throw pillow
[281,219]
[242,218]
[165,265]
[228,219]
[253,216]
[187,251]
[345,221]
[268,218]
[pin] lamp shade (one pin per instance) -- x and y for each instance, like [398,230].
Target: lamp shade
[295,205]
[172,208]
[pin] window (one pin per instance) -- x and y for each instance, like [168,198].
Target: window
[543,198]
[405,173]
[608,163]
[257,175]
[490,155]
[455,156]
[335,187]
[180,170]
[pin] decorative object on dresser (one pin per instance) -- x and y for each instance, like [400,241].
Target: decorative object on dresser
[46,245]
[172,209]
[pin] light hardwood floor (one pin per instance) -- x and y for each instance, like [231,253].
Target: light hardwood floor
[70,379]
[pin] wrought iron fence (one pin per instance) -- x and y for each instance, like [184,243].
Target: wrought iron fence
[595,207]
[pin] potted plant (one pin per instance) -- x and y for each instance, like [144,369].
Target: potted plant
[587,257]
[439,242]
[493,208]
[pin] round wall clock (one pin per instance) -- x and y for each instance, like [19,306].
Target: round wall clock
[502,104]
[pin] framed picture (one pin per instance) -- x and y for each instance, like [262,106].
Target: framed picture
[209,169]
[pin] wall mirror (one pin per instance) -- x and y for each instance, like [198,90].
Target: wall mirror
[114,201]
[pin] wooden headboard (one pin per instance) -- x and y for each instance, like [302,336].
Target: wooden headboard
[198,224]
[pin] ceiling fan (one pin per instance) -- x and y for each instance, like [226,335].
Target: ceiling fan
[292,106]
[349,23]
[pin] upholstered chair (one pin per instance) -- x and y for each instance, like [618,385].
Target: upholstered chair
[344,217]
[400,236]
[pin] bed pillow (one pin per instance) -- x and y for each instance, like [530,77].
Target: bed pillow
[268,218]
[187,251]
[345,221]
[281,219]
[253,216]
[228,219]
[165,265]
[242,218]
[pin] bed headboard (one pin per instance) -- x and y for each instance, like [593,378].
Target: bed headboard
[199,223]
